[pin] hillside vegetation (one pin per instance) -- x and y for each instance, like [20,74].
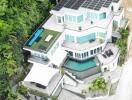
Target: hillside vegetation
[18,19]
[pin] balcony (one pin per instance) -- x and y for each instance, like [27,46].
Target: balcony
[110,53]
[82,46]
[119,11]
[33,59]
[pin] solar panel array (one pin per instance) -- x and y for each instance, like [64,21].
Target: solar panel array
[116,1]
[96,4]
[60,5]
[90,4]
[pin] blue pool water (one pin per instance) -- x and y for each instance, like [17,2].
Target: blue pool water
[80,66]
[36,35]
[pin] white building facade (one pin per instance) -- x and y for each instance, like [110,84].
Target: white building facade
[86,28]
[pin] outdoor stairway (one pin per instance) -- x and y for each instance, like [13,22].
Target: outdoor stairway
[74,77]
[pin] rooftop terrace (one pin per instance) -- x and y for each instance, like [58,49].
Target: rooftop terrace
[44,41]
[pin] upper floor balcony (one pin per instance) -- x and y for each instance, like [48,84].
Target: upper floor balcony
[83,46]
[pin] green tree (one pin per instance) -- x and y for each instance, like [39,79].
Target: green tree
[122,45]
[18,19]
[98,84]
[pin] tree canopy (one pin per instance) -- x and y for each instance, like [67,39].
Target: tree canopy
[18,19]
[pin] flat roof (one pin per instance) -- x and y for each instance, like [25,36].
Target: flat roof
[89,4]
[40,44]
[52,25]
[41,74]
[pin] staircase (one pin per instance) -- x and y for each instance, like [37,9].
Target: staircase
[73,77]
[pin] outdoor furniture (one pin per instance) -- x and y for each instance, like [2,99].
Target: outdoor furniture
[48,38]
[42,47]
[104,55]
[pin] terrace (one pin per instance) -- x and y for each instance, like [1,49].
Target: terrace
[109,54]
[42,40]
[79,46]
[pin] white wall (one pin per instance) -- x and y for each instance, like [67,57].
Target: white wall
[69,81]
[112,65]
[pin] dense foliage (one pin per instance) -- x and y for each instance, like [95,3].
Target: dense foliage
[98,84]
[122,45]
[18,19]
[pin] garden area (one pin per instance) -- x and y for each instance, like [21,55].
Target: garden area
[98,87]
[122,45]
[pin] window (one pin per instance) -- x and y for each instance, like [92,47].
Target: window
[115,23]
[91,52]
[112,8]
[102,16]
[101,35]
[69,38]
[82,55]
[70,18]
[86,38]
[97,50]
[80,18]
[100,48]
[70,53]
[92,16]
[87,54]
[66,18]
[59,19]
[94,51]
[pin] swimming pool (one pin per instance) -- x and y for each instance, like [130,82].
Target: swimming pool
[80,65]
[36,35]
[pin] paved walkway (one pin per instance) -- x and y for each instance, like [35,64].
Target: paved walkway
[124,89]
[67,95]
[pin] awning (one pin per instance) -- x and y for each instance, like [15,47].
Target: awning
[41,74]
[59,57]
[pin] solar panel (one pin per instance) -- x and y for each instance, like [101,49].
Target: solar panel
[77,4]
[60,5]
[116,1]
[70,3]
[91,4]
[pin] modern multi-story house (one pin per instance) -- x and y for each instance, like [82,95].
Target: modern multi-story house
[79,36]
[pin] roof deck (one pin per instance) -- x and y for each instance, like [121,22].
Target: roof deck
[52,24]
[44,41]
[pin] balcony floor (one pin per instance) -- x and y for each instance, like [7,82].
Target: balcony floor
[81,46]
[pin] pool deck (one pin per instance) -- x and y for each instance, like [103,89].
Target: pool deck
[41,43]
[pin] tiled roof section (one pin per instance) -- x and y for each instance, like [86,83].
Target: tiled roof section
[89,4]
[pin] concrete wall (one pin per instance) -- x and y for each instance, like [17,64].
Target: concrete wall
[86,73]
